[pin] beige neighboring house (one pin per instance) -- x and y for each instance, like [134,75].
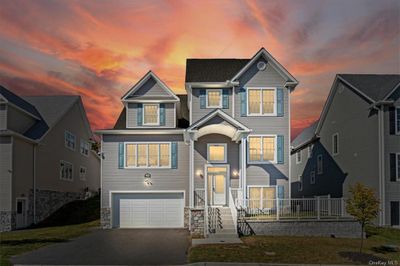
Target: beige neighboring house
[46,159]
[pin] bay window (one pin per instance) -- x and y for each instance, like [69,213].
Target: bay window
[151,114]
[262,148]
[147,155]
[261,101]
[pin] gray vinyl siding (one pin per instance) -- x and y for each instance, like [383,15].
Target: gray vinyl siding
[132,110]
[200,158]
[392,145]
[150,88]
[3,116]
[5,173]
[18,121]
[115,179]
[198,113]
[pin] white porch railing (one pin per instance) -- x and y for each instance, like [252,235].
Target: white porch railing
[304,208]
[232,206]
[199,197]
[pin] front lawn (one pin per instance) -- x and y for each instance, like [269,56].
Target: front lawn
[288,249]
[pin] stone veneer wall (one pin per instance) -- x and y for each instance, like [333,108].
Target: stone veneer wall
[346,229]
[197,222]
[105,218]
[186,217]
[7,221]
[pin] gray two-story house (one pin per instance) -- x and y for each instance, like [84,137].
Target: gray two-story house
[356,139]
[170,157]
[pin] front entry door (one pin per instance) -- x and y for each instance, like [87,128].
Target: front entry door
[217,184]
[21,213]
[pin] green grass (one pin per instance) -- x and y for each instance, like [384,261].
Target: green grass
[72,220]
[290,249]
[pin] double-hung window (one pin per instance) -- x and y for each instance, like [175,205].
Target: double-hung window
[335,144]
[85,147]
[261,102]
[214,98]
[69,140]
[312,177]
[147,155]
[320,168]
[397,125]
[262,148]
[216,153]
[151,114]
[66,171]
[398,166]
[82,173]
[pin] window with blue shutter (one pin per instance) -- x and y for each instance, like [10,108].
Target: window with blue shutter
[139,119]
[202,98]
[243,102]
[174,155]
[280,148]
[225,98]
[120,155]
[281,192]
[162,114]
[279,102]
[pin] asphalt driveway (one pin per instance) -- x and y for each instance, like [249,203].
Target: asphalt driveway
[115,247]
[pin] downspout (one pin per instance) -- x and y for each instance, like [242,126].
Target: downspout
[381,154]
[289,142]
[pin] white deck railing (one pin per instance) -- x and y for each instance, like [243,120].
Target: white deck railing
[233,207]
[304,208]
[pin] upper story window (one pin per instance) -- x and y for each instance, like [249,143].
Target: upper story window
[335,144]
[151,114]
[309,150]
[398,120]
[85,147]
[320,169]
[262,148]
[214,99]
[298,157]
[261,102]
[69,140]
[147,155]
[398,166]
[66,171]
[216,153]
[312,177]
[82,173]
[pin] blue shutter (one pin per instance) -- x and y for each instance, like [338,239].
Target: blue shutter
[174,155]
[225,98]
[139,114]
[202,99]
[162,114]
[243,102]
[281,192]
[280,144]
[279,101]
[120,155]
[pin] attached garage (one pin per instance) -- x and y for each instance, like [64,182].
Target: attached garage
[148,210]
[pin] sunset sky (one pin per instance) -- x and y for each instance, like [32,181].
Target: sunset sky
[99,49]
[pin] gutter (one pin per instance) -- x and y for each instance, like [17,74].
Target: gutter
[139,132]
[299,147]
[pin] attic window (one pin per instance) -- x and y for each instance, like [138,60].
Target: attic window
[261,66]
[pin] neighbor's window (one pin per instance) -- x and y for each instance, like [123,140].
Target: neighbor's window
[262,148]
[214,99]
[82,173]
[309,149]
[312,177]
[298,156]
[85,147]
[319,164]
[151,114]
[66,171]
[300,183]
[149,155]
[335,143]
[216,153]
[398,166]
[261,101]
[69,140]
[398,120]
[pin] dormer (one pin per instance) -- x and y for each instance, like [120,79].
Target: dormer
[150,104]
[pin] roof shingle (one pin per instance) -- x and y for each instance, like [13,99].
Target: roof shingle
[213,70]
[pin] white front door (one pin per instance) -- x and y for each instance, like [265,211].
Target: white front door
[21,213]
[217,184]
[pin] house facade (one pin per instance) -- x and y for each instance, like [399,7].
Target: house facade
[171,157]
[46,159]
[356,139]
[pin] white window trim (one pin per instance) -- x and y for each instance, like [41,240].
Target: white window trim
[309,150]
[225,152]
[147,152]
[397,167]
[262,155]
[220,99]
[84,178]
[261,102]
[322,164]
[333,144]
[83,141]
[65,140]
[396,111]
[312,177]
[301,183]
[143,114]
[72,172]
[297,157]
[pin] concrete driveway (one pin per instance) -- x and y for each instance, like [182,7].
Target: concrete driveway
[115,247]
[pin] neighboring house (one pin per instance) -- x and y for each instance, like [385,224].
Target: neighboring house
[45,157]
[228,139]
[357,139]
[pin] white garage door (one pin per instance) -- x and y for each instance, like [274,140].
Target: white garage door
[151,210]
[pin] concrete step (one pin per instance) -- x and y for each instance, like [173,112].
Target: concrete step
[222,236]
[226,231]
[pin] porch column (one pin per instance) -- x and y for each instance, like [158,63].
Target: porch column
[191,174]
[243,173]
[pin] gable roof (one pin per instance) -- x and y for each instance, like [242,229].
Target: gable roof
[213,70]
[19,102]
[223,115]
[375,87]
[142,81]
[305,136]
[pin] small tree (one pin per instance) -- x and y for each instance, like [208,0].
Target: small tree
[363,206]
